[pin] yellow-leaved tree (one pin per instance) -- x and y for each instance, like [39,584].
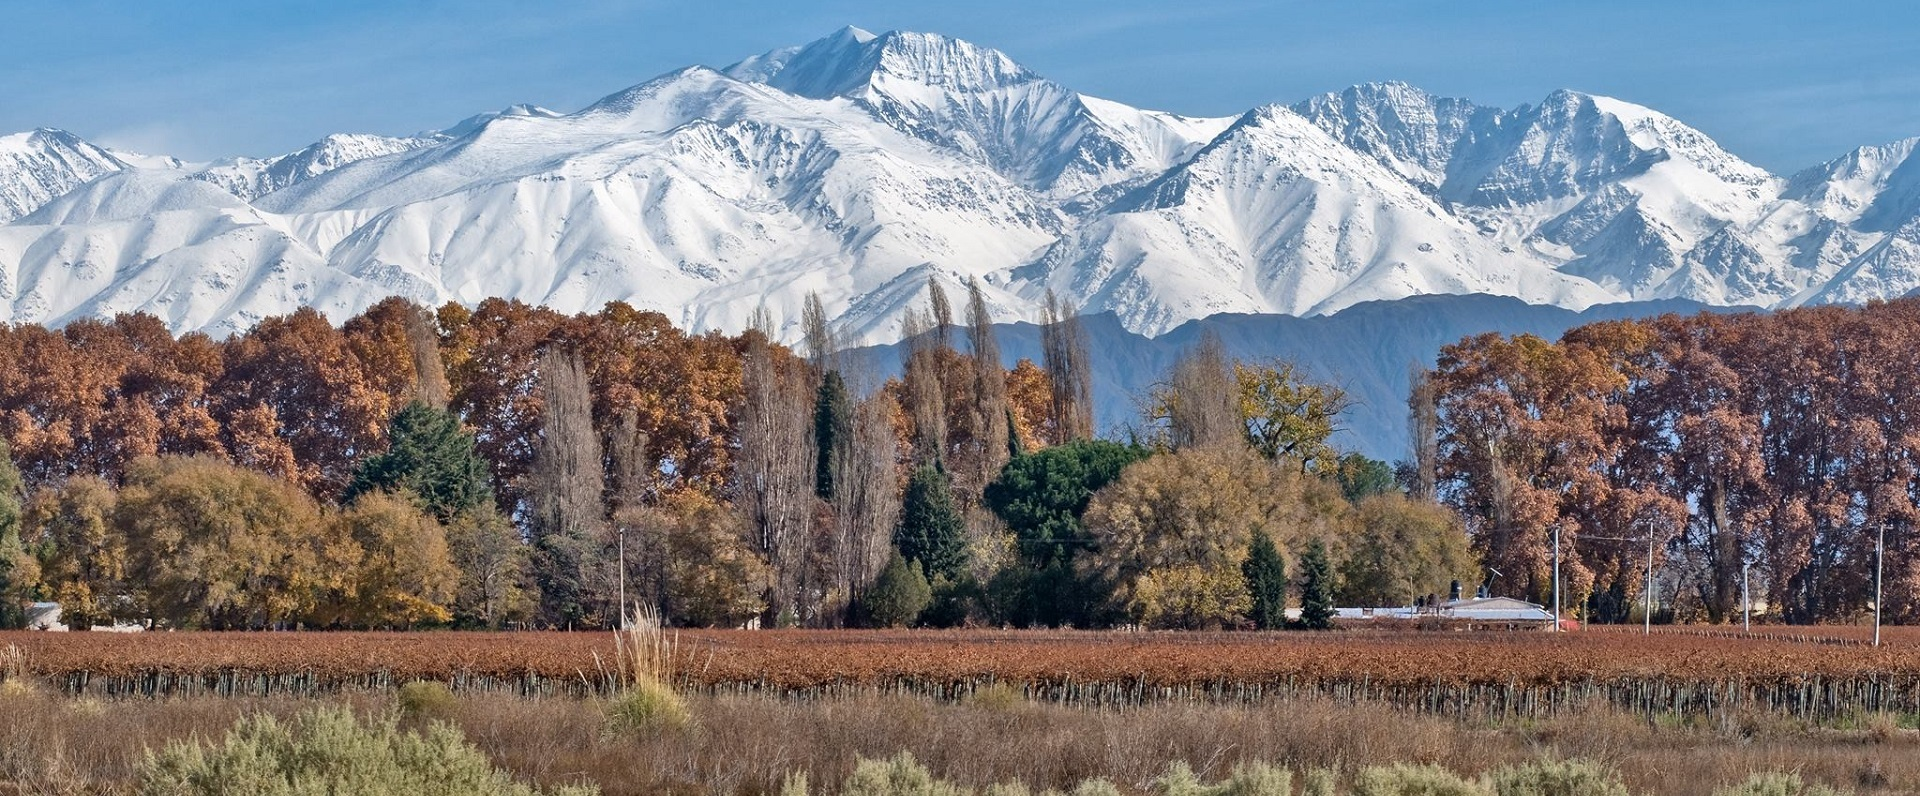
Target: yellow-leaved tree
[405,576]
[216,546]
[1170,534]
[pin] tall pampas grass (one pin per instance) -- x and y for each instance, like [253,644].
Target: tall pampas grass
[647,657]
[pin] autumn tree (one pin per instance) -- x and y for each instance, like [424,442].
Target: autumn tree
[82,556]
[568,522]
[405,575]
[1423,434]
[1402,549]
[1171,533]
[923,394]
[215,546]
[988,409]
[1286,415]
[1197,404]
[1069,371]
[866,499]
[707,574]
[774,483]
[494,569]
[307,387]
[1030,403]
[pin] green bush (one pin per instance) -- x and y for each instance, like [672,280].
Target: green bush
[328,752]
[1093,787]
[646,706]
[1556,778]
[899,595]
[1778,785]
[1318,782]
[900,776]
[426,700]
[1401,779]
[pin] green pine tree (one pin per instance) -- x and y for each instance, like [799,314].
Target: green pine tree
[930,530]
[1316,588]
[13,555]
[429,455]
[832,426]
[1266,574]
[1040,496]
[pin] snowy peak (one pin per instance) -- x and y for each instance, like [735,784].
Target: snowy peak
[251,179]
[1276,215]
[475,122]
[1565,146]
[1408,130]
[39,165]
[851,62]
[1652,130]
[981,104]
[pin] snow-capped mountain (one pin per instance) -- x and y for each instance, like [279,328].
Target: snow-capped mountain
[249,178]
[38,166]
[860,165]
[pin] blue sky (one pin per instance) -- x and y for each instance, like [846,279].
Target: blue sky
[1785,84]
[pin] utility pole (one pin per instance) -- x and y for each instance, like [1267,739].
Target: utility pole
[623,577]
[1746,598]
[1556,577]
[1649,616]
[1879,562]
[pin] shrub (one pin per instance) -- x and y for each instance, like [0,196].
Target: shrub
[1318,782]
[900,776]
[1094,787]
[328,751]
[646,707]
[996,696]
[899,595]
[1556,778]
[1776,784]
[1402,779]
[426,700]
[1257,779]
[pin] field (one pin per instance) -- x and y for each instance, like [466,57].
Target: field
[1524,673]
[1674,714]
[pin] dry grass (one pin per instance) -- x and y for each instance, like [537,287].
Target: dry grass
[750,744]
[645,700]
[16,678]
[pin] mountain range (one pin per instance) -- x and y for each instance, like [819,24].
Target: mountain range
[859,165]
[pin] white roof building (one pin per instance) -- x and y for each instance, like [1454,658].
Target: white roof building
[1496,609]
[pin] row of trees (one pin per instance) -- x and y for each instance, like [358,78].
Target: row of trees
[505,464]
[1775,451]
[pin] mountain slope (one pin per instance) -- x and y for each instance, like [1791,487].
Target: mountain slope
[861,165]
[1276,216]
